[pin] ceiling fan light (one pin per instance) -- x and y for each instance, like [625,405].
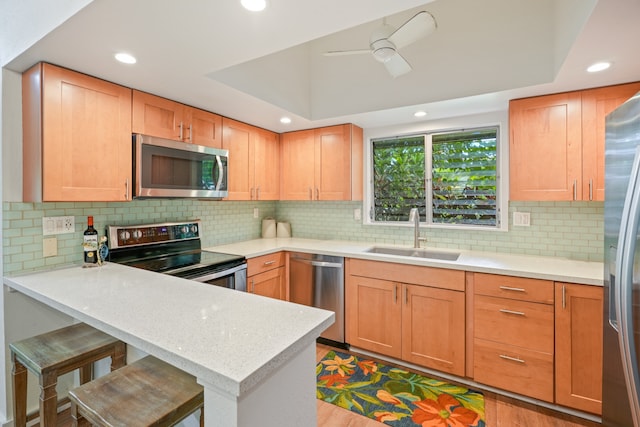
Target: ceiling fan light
[384,54]
[254,5]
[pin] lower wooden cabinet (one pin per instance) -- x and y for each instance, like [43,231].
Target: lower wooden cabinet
[513,324]
[419,324]
[578,357]
[266,276]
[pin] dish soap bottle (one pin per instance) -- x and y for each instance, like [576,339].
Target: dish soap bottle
[90,243]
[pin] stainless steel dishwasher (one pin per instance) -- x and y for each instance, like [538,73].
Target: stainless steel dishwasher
[318,281]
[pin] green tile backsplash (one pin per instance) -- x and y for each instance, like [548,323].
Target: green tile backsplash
[563,229]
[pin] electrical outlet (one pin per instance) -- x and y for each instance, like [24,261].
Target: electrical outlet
[58,225]
[256,212]
[357,214]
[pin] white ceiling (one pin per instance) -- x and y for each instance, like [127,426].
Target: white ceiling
[256,67]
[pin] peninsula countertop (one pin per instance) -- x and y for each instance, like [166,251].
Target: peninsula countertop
[227,338]
[535,267]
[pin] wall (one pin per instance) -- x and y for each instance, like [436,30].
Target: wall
[561,229]
[222,222]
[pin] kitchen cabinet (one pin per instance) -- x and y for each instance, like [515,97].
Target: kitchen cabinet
[266,276]
[578,357]
[322,164]
[556,148]
[76,137]
[413,313]
[513,330]
[254,161]
[156,116]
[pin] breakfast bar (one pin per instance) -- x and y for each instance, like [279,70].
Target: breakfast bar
[254,356]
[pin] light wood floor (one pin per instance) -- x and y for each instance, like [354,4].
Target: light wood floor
[500,411]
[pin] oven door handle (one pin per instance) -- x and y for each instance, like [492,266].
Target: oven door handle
[219,274]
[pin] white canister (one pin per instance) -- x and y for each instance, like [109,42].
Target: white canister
[284,229]
[268,228]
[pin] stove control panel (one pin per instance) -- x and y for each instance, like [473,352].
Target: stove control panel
[146,234]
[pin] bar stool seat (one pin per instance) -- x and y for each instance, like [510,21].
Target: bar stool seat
[53,354]
[148,392]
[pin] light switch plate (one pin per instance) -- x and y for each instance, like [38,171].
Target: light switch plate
[521,219]
[58,225]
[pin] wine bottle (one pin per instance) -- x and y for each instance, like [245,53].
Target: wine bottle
[90,243]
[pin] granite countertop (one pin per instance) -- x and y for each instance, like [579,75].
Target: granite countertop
[536,267]
[229,339]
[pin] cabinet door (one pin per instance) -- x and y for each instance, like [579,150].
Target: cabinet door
[86,137]
[297,175]
[433,328]
[156,116]
[204,128]
[578,354]
[373,315]
[596,104]
[266,156]
[333,163]
[545,147]
[269,284]
[236,137]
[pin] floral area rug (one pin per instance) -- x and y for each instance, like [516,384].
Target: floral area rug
[394,396]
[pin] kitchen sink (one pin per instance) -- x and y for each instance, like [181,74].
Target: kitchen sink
[415,252]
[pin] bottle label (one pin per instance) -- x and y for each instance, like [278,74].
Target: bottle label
[90,242]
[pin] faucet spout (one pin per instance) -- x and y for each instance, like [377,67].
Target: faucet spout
[414,216]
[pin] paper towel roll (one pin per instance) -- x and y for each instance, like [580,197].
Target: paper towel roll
[284,229]
[268,228]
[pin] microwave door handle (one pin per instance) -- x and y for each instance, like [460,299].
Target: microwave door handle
[221,174]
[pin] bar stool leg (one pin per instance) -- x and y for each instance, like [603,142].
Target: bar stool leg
[119,357]
[48,399]
[19,377]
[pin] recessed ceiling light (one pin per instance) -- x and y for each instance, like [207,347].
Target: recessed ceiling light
[285,120]
[598,66]
[125,58]
[420,113]
[254,5]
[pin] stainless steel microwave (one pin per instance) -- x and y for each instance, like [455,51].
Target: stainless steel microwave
[172,169]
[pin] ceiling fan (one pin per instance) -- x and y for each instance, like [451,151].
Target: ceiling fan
[386,40]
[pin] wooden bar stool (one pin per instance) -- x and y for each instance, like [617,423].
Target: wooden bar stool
[53,354]
[148,392]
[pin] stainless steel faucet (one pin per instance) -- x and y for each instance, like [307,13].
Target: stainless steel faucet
[414,216]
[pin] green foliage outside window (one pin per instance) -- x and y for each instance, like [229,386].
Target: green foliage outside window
[461,182]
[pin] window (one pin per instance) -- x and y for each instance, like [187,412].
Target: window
[451,177]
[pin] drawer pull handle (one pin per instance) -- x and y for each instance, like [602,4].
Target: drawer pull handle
[509,288]
[269,262]
[513,359]
[518,313]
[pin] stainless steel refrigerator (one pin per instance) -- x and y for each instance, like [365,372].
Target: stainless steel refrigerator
[621,381]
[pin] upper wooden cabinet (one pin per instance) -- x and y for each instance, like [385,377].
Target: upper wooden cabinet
[322,164]
[156,116]
[77,137]
[254,161]
[556,147]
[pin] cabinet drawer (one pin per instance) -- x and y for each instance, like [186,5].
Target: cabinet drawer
[407,273]
[517,370]
[523,324]
[264,263]
[519,288]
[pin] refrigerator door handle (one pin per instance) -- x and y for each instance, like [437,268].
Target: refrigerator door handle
[623,290]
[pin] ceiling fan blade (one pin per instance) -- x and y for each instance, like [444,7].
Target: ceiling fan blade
[397,65]
[346,52]
[421,25]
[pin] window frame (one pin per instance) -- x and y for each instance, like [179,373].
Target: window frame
[502,199]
